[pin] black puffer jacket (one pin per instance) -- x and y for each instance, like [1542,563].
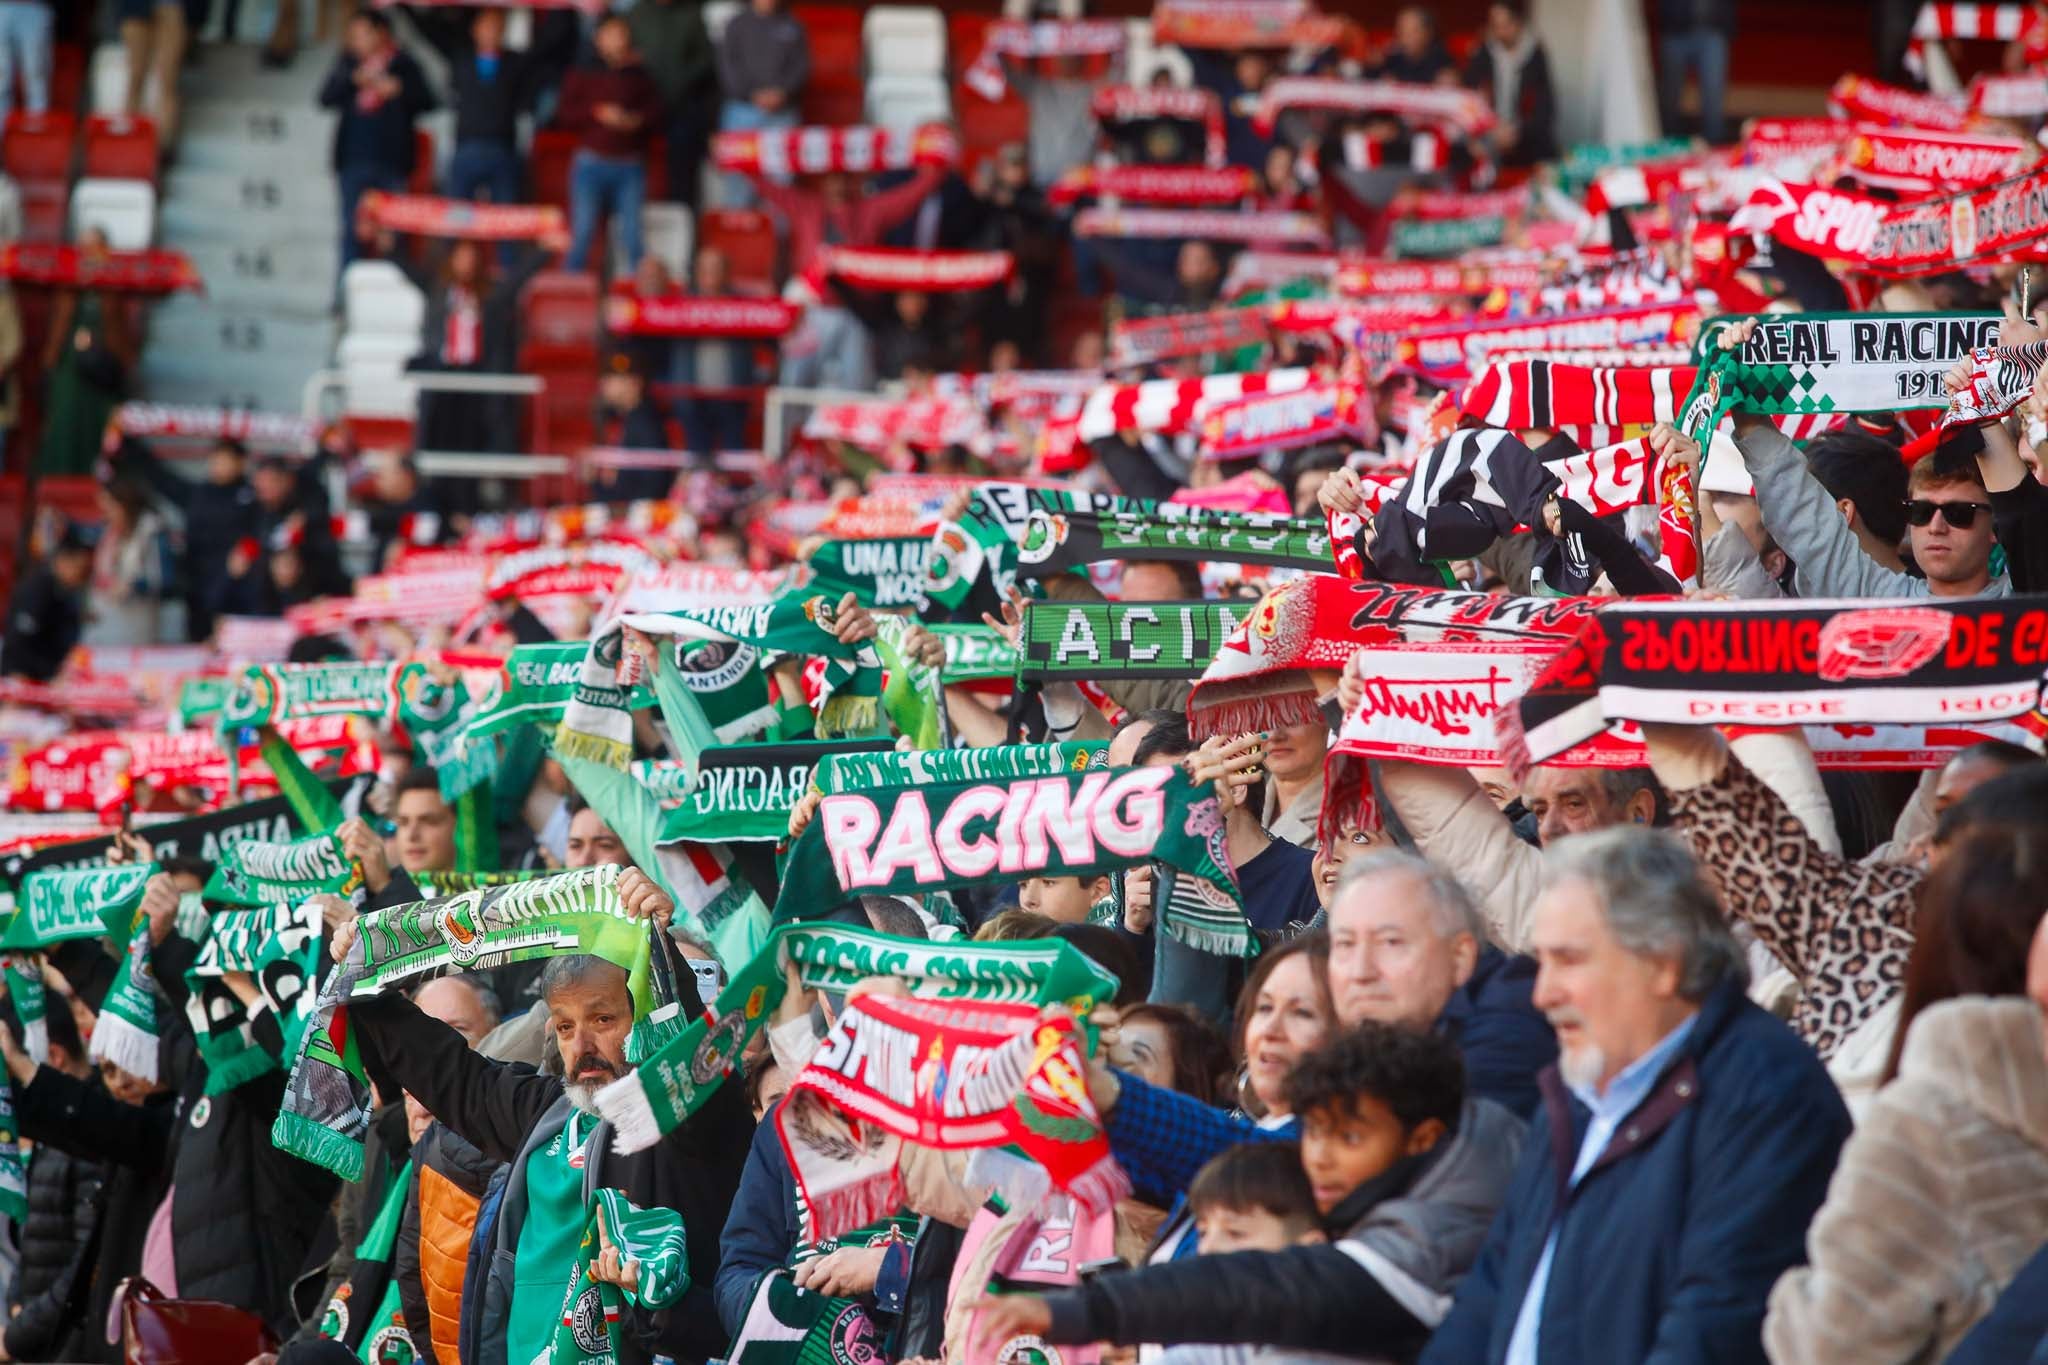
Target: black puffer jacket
[64,1206]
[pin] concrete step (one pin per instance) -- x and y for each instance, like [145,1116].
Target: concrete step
[288,279]
[202,380]
[302,154]
[234,332]
[248,198]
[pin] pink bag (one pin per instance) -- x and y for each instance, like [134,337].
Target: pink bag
[1037,1251]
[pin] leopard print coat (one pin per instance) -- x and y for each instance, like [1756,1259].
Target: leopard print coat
[1842,928]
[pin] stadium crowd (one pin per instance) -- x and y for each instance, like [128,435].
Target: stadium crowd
[1342,726]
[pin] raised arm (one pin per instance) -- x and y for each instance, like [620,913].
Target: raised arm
[1803,519]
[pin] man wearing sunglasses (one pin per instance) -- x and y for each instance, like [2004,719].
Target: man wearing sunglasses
[1948,519]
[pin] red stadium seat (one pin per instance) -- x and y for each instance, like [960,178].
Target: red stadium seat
[120,148]
[986,126]
[37,148]
[560,311]
[748,240]
[548,166]
[45,210]
[965,34]
[834,95]
[833,102]
[77,496]
[381,433]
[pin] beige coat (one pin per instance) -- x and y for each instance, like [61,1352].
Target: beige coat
[1940,1197]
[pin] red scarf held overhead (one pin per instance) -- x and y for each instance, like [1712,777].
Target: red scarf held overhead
[682,315]
[1154,184]
[111,272]
[426,215]
[1521,394]
[1922,162]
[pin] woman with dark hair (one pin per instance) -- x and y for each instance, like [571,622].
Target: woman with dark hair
[1172,1047]
[131,568]
[1284,1011]
[1941,1194]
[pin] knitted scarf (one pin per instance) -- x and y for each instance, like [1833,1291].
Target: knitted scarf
[888,269]
[1026,42]
[1114,104]
[855,150]
[1538,393]
[880,573]
[589,1330]
[1123,639]
[1233,24]
[1052,542]
[1454,109]
[424,215]
[326,1110]
[1986,224]
[279,949]
[1272,671]
[841,773]
[1919,162]
[911,840]
[975,653]
[675,1082]
[1287,421]
[1831,362]
[540,679]
[1772,662]
[256,872]
[1446,236]
[1141,341]
[981,546]
[380,1335]
[268,693]
[127,1032]
[59,906]
[1154,184]
[741,793]
[435,886]
[25,988]
[106,272]
[1871,101]
[2001,377]
[681,315]
[1462,350]
[794,624]
[947,1074]
[914,695]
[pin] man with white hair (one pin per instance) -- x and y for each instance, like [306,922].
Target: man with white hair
[1686,1139]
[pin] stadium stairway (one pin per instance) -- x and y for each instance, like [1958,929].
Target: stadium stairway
[251,199]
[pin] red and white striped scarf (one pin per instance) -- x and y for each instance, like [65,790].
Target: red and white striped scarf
[1169,405]
[1359,277]
[1131,104]
[1047,38]
[1522,394]
[1244,24]
[681,315]
[1242,427]
[1940,20]
[1447,106]
[1925,162]
[930,423]
[855,150]
[1454,353]
[1140,341]
[1424,152]
[2020,96]
[893,268]
[1154,184]
[1859,97]
[1215,224]
[462,339]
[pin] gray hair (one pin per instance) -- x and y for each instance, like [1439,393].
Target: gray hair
[570,970]
[1656,902]
[890,915]
[486,998]
[1452,910]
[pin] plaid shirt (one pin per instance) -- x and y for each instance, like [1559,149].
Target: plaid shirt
[1163,1137]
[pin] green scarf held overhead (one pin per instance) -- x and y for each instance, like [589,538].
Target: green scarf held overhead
[743,793]
[436,715]
[268,693]
[1446,236]
[311,800]
[326,1111]
[257,872]
[1124,639]
[982,546]
[1829,362]
[128,1032]
[843,772]
[879,573]
[25,989]
[798,625]
[589,1332]
[1051,543]
[279,949]
[911,840]
[975,653]
[674,1082]
[915,694]
[435,886]
[380,1337]
[202,699]
[540,680]
[59,906]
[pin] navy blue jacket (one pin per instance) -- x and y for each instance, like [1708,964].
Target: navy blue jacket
[761,1230]
[2016,1332]
[1669,1246]
[1504,1038]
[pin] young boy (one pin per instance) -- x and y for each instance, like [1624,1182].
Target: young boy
[1254,1198]
[1066,900]
[1403,1171]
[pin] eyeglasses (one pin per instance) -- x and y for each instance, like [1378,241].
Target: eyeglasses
[1961,514]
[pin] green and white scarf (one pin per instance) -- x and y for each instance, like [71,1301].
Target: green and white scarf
[588,1333]
[258,872]
[13,1168]
[326,1106]
[279,949]
[982,546]
[912,840]
[880,573]
[381,1337]
[975,653]
[539,682]
[1051,542]
[675,1082]
[59,906]
[202,699]
[268,693]
[843,772]
[1829,362]
[596,724]
[795,624]
[914,695]
[435,714]
[127,1033]
[790,1326]
[25,989]
[743,793]
[435,886]
[1446,236]
[1124,639]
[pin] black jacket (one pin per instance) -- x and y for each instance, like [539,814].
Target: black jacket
[1535,104]
[216,515]
[487,108]
[1683,16]
[43,624]
[64,1206]
[2020,516]
[499,1107]
[380,137]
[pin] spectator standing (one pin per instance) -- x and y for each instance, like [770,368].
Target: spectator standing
[491,86]
[671,39]
[1513,72]
[131,569]
[25,28]
[1418,56]
[47,612]
[763,61]
[713,424]
[86,357]
[380,92]
[628,418]
[613,105]
[218,512]
[1015,218]
[65,1201]
[1693,37]
[153,35]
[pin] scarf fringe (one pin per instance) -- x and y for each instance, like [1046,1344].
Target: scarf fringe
[847,717]
[1276,706]
[322,1146]
[116,1040]
[1021,1182]
[1210,938]
[1098,1188]
[624,1105]
[611,753]
[856,1204]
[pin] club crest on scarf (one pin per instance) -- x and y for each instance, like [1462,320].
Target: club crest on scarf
[1043,533]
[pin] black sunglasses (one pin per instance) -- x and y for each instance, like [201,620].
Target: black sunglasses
[1961,514]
